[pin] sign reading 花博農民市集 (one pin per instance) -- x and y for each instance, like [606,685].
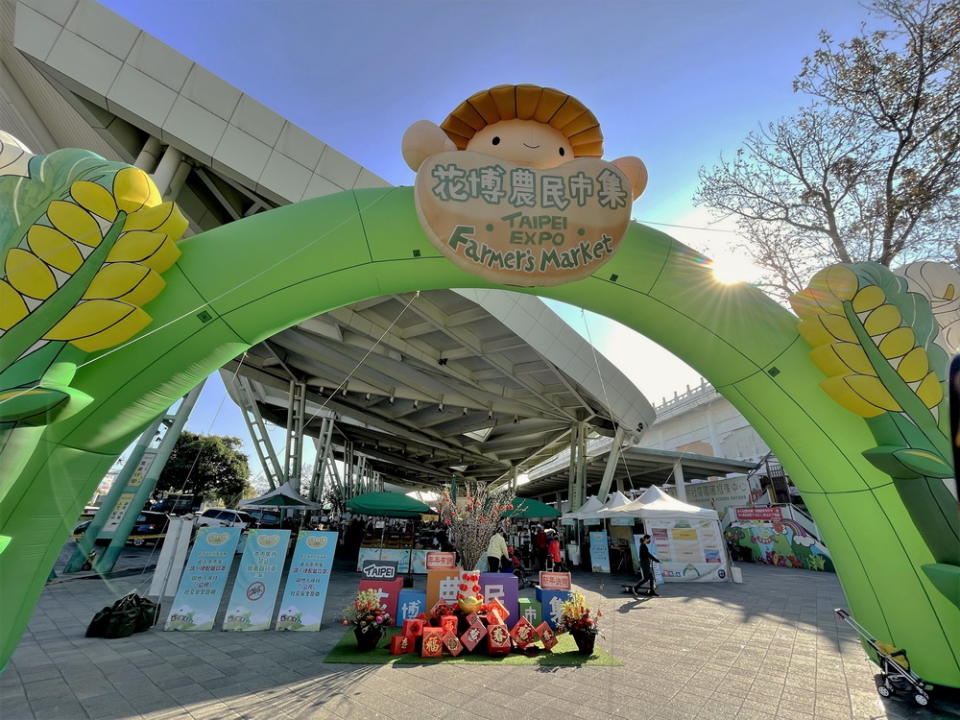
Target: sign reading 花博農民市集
[204,578]
[258,581]
[522,225]
[301,607]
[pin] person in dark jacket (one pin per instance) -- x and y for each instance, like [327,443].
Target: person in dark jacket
[647,558]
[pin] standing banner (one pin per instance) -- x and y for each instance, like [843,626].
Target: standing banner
[306,591]
[173,554]
[258,581]
[599,552]
[201,587]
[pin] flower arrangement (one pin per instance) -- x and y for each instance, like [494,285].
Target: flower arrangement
[473,519]
[576,616]
[366,614]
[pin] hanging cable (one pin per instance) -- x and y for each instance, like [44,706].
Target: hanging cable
[363,359]
[606,398]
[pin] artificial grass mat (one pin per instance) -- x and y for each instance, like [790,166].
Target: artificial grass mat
[564,653]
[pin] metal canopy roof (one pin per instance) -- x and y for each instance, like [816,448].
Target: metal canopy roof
[448,389]
[637,468]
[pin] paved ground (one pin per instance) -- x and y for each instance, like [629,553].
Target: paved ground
[765,650]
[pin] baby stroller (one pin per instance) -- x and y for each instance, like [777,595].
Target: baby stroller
[523,579]
[896,675]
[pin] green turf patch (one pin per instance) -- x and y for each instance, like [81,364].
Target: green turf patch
[563,653]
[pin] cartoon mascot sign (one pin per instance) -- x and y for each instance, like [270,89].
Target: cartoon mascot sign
[511,186]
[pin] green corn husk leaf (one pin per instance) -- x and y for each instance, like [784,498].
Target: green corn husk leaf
[907,462]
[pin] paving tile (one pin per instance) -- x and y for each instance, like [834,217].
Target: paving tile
[765,649]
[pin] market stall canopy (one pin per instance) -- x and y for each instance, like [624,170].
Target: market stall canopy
[387,504]
[615,500]
[530,508]
[587,511]
[656,503]
[283,496]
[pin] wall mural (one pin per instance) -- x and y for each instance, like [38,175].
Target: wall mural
[860,426]
[783,543]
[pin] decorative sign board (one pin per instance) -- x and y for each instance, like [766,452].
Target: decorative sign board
[305,594]
[767,514]
[201,587]
[554,580]
[379,570]
[441,560]
[520,225]
[258,581]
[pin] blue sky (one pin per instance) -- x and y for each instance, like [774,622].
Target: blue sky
[675,82]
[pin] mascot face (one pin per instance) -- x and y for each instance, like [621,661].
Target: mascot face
[524,142]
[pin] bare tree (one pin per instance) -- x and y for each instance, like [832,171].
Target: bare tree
[870,169]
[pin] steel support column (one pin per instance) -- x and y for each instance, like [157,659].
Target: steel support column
[613,457]
[151,473]
[296,415]
[149,155]
[678,479]
[166,169]
[258,432]
[87,541]
[582,464]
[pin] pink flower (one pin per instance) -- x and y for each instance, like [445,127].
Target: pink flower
[379,619]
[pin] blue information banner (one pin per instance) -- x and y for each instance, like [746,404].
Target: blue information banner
[204,578]
[258,581]
[599,552]
[306,591]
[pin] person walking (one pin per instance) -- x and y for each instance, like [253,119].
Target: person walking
[647,558]
[554,559]
[495,550]
[540,545]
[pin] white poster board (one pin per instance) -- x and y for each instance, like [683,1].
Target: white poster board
[690,550]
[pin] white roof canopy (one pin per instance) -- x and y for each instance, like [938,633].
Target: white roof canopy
[587,511]
[656,503]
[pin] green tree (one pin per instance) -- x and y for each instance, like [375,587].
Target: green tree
[207,465]
[870,169]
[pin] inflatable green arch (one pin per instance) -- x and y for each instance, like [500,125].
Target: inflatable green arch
[236,285]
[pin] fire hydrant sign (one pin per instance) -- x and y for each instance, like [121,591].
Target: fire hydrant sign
[305,594]
[258,580]
[519,225]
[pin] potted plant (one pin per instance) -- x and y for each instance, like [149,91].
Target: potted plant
[577,619]
[368,619]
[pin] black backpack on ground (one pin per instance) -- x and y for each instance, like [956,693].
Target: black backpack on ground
[130,614]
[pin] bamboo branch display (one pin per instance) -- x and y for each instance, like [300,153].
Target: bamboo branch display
[473,518]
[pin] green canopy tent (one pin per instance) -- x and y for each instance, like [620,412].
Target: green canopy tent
[530,508]
[283,496]
[387,504]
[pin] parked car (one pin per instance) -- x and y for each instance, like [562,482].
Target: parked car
[266,518]
[178,504]
[219,517]
[148,527]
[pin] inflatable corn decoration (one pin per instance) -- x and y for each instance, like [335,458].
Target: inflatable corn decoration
[84,243]
[875,341]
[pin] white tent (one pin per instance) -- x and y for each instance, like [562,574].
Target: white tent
[686,538]
[585,511]
[282,497]
[656,503]
[615,500]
